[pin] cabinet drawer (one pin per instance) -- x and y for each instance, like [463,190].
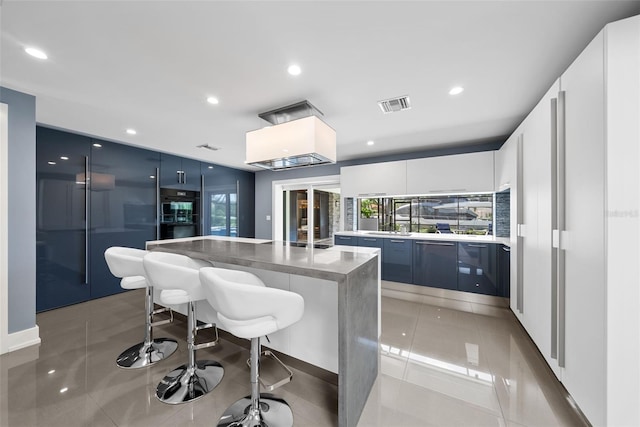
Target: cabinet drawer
[346,240]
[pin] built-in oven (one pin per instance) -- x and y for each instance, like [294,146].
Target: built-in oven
[179,213]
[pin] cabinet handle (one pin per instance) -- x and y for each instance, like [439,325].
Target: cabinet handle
[397,241]
[476,246]
[87,182]
[435,244]
[506,249]
[344,238]
[158,206]
[369,240]
[554,226]
[519,217]
[561,222]
[184,177]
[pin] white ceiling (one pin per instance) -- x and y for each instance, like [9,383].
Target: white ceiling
[150,65]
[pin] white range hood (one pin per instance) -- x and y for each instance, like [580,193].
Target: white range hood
[291,142]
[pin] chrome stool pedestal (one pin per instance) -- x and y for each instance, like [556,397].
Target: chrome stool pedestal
[127,263]
[258,410]
[197,377]
[150,350]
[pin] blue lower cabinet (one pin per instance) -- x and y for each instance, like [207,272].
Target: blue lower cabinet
[504,270]
[435,264]
[397,260]
[477,268]
[346,240]
[371,242]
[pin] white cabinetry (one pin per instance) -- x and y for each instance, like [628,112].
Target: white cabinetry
[458,173]
[505,166]
[374,179]
[585,319]
[537,304]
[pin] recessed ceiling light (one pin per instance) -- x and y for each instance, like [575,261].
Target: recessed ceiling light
[213,100]
[294,70]
[97,145]
[370,142]
[131,131]
[35,52]
[456,90]
[51,163]
[64,158]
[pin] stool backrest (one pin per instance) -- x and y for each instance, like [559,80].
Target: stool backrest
[240,297]
[125,262]
[166,270]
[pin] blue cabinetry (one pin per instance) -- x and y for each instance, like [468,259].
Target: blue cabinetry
[371,242]
[477,268]
[179,173]
[435,264]
[345,240]
[397,260]
[123,202]
[62,232]
[504,270]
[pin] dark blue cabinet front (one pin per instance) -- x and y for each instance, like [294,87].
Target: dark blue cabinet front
[61,228]
[435,264]
[345,240]
[397,260]
[477,268]
[123,202]
[504,270]
[371,242]
[179,173]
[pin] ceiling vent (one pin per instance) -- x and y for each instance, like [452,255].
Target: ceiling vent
[393,105]
[208,147]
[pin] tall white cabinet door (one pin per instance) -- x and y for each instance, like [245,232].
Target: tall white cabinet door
[623,223]
[583,241]
[537,272]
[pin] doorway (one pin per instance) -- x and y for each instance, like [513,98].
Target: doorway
[293,219]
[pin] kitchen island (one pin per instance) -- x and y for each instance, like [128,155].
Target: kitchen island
[339,331]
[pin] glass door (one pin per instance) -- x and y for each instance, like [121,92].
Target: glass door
[223,218]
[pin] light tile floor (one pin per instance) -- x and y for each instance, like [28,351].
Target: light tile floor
[444,363]
[454,363]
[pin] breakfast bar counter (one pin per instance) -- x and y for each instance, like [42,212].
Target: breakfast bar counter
[339,331]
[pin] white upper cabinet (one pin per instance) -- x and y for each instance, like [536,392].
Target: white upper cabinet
[374,179]
[460,173]
[505,165]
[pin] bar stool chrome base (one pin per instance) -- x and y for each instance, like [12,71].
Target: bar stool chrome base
[185,385]
[274,412]
[146,354]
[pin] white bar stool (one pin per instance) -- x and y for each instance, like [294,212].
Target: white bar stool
[126,263]
[248,309]
[178,277]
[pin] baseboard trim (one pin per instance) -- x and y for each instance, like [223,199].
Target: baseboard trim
[24,338]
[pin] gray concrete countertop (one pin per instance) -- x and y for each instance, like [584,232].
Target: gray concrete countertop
[332,264]
[449,237]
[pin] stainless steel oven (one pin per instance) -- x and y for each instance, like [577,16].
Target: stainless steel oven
[180,213]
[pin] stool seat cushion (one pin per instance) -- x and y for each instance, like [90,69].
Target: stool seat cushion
[174,296]
[133,282]
[167,271]
[247,308]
